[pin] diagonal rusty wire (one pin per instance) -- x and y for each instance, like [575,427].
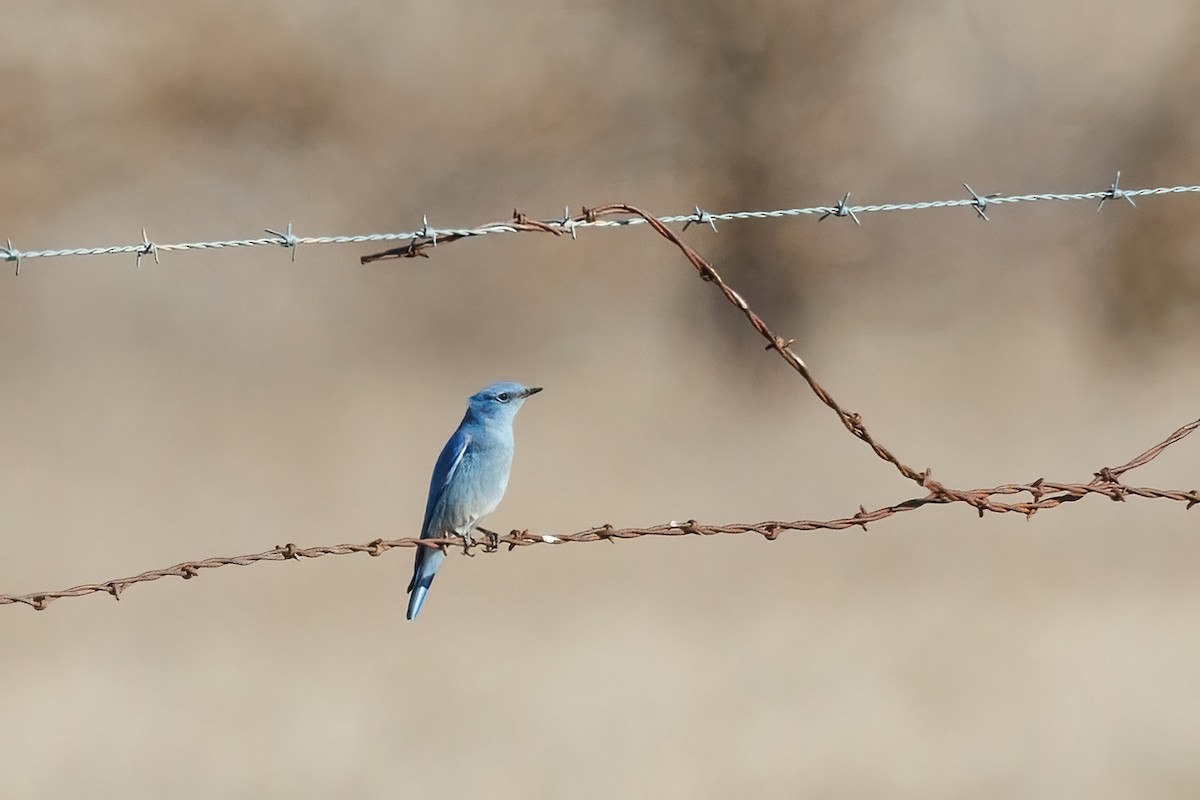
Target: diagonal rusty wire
[1043,494]
[852,421]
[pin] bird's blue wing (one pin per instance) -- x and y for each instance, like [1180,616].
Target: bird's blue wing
[443,472]
[428,560]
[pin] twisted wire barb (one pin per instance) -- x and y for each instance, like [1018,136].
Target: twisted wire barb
[1043,494]
[428,236]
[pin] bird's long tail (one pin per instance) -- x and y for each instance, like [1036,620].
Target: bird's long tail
[424,569]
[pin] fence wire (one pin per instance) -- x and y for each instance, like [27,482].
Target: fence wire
[429,236]
[1041,494]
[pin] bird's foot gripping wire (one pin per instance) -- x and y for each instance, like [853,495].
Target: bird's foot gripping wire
[492,541]
[468,542]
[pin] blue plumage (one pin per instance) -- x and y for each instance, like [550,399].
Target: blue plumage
[469,478]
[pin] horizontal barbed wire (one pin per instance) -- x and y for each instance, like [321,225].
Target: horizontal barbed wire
[569,223]
[1043,494]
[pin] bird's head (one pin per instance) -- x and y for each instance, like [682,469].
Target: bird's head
[501,399]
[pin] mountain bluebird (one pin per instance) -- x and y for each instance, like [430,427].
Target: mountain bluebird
[469,478]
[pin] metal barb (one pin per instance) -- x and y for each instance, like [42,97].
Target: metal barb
[568,222]
[287,238]
[148,248]
[1115,193]
[980,203]
[702,217]
[12,254]
[427,232]
[842,209]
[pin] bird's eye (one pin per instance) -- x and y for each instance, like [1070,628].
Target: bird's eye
[502,397]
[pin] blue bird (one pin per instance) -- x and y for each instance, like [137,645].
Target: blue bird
[469,478]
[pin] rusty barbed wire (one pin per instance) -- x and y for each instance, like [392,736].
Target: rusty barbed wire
[1043,494]
[428,236]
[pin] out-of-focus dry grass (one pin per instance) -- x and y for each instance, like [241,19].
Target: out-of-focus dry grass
[225,403]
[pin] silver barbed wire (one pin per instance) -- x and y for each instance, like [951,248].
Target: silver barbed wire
[569,224]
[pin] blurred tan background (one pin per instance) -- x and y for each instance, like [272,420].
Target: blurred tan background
[223,403]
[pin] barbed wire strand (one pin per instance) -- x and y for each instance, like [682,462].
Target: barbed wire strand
[1044,494]
[428,236]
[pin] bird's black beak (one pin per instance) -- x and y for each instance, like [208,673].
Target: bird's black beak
[532,390]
